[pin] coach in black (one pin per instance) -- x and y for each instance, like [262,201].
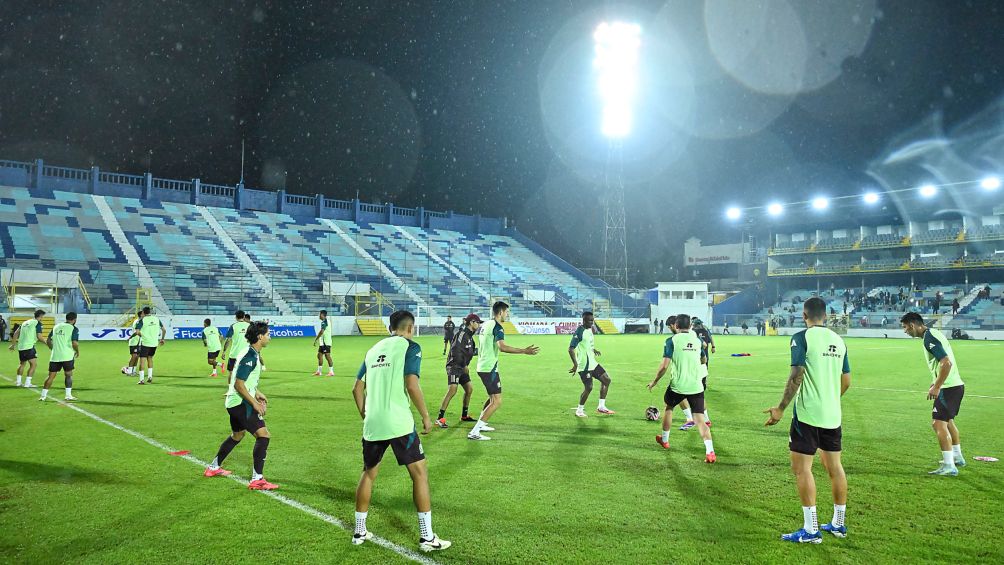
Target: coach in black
[462,350]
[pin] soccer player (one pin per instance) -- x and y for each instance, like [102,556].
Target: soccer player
[324,350]
[211,339]
[458,371]
[584,364]
[448,328]
[246,406]
[148,342]
[492,341]
[709,348]
[820,375]
[25,337]
[684,354]
[63,341]
[685,405]
[947,390]
[387,379]
[235,343]
[133,342]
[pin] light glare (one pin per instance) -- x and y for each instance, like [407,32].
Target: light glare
[733,213]
[775,209]
[990,183]
[820,203]
[928,190]
[871,197]
[616,47]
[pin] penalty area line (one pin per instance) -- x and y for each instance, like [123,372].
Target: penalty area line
[293,503]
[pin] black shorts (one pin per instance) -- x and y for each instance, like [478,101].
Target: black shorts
[324,349]
[672,398]
[492,382]
[704,383]
[244,418]
[447,338]
[948,403]
[457,377]
[230,364]
[407,449]
[587,376]
[27,354]
[145,351]
[806,439]
[133,350]
[56,366]
[212,355]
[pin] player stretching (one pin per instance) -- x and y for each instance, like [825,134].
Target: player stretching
[25,337]
[492,341]
[946,391]
[324,350]
[63,341]
[387,379]
[458,370]
[211,339]
[235,343]
[148,342]
[133,342]
[448,328]
[820,375]
[246,406]
[584,363]
[684,354]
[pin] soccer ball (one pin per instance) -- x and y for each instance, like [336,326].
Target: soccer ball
[652,413]
[124,370]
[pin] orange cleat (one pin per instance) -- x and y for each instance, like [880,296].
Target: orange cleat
[262,484]
[665,445]
[710,458]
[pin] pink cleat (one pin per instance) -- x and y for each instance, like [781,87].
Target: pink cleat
[262,484]
[710,458]
[219,471]
[317,373]
[605,411]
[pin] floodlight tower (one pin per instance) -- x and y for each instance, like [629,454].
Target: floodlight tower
[616,64]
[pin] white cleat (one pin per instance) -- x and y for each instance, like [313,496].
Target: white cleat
[359,539]
[434,544]
[29,385]
[580,413]
[487,429]
[70,398]
[41,399]
[478,437]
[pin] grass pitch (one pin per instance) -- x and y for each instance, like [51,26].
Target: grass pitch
[549,487]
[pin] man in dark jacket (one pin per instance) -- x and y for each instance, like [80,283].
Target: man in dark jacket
[462,350]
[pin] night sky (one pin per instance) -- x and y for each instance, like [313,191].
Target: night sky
[490,107]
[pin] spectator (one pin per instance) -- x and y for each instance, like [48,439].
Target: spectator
[745,328]
[725,328]
[662,325]
[955,306]
[885,321]
[3,329]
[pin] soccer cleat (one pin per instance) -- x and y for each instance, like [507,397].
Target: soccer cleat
[140,382]
[317,373]
[358,539]
[945,470]
[468,419]
[434,544]
[262,484]
[960,462]
[708,422]
[710,458]
[580,413]
[41,399]
[605,411]
[802,536]
[69,398]
[442,423]
[664,444]
[478,437]
[687,426]
[149,380]
[219,471]
[18,383]
[29,385]
[487,429]
[331,373]
[839,531]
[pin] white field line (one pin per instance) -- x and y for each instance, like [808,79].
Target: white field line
[402,551]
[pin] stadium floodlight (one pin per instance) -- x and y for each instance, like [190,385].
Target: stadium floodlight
[928,190]
[616,61]
[871,197]
[820,203]
[991,183]
[733,213]
[775,209]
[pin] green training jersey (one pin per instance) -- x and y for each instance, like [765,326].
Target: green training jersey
[212,337]
[324,337]
[28,337]
[238,343]
[63,336]
[824,356]
[488,346]
[388,407]
[150,327]
[936,348]
[685,352]
[248,370]
[134,338]
[582,343]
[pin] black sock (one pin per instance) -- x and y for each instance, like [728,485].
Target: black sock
[441,414]
[465,412]
[226,447]
[260,448]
